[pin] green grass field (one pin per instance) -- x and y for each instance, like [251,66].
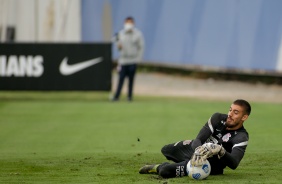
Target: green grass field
[81,137]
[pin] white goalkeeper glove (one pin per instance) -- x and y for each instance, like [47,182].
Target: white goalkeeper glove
[211,149]
[205,151]
[198,158]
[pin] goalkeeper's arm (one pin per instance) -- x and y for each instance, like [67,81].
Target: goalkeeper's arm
[202,136]
[208,150]
[206,131]
[233,159]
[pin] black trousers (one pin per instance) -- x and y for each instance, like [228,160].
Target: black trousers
[126,71]
[180,153]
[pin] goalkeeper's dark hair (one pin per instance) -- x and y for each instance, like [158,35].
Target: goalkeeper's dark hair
[244,104]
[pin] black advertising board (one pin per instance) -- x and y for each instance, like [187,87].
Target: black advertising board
[60,66]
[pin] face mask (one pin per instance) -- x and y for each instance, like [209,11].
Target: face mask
[128,26]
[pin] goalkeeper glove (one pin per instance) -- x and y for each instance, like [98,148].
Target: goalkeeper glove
[205,151]
[211,149]
[198,158]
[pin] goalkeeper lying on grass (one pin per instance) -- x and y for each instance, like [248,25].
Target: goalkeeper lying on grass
[223,141]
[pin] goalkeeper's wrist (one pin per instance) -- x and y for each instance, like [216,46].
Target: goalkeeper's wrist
[221,152]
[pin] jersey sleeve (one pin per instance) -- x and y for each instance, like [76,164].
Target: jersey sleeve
[206,131]
[233,158]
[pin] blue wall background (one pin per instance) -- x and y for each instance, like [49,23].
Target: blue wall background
[240,34]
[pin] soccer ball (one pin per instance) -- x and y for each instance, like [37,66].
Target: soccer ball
[199,172]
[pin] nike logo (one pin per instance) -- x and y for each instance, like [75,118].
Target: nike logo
[67,69]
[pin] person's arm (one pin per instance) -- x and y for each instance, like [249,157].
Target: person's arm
[206,131]
[202,136]
[117,40]
[233,159]
[119,45]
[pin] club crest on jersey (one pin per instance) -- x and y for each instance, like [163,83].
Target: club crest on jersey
[186,142]
[226,137]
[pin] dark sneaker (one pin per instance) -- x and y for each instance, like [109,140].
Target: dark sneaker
[149,169]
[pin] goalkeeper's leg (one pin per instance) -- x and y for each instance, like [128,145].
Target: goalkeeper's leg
[179,151]
[173,170]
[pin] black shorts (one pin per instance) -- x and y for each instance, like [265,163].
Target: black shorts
[179,151]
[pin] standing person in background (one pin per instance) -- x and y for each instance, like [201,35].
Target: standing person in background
[130,43]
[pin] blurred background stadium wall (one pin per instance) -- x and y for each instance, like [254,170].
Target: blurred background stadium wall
[244,35]
[228,34]
[40,21]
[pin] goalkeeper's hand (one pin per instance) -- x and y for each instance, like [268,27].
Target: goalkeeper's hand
[205,151]
[198,158]
[211,149]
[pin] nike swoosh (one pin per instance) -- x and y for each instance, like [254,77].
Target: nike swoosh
[67,69]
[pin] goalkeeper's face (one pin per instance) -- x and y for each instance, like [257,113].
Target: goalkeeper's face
[236,117]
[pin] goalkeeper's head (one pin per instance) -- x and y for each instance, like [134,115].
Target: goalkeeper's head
[246,105]
[238,113]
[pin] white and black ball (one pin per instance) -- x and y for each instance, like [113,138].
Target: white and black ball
[199,172]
